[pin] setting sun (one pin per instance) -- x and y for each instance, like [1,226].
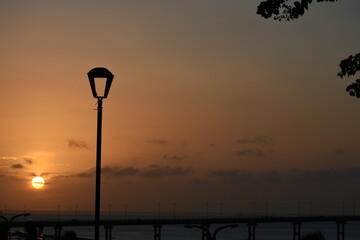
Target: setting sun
[38,182]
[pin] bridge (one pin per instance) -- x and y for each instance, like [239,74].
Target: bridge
[205,223]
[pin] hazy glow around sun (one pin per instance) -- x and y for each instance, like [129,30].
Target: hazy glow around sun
[38,182]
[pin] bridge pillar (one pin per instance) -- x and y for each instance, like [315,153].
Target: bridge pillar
[205,232]
[57,233]
[297,230]
[251,233]
[108,232]
[157,231]
[340,230]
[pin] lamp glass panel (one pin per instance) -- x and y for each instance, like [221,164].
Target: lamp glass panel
[100,84]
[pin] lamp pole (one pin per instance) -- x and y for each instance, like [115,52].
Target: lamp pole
[8,223]
[93,75]
[98,169]
[7,226]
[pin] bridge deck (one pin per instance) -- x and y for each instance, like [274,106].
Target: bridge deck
[123,222]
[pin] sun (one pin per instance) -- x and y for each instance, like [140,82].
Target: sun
[38,182]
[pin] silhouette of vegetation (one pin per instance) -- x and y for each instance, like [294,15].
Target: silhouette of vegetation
[291,10]
[285,9]
[349,67]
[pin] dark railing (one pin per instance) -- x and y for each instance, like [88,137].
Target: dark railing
[159,223]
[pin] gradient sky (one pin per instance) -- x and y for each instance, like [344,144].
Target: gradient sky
[210,104]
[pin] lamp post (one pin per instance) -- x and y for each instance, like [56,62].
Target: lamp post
[8,223]
[100,81]
[207,231]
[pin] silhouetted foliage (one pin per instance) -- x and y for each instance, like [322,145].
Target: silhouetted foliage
[349,67]
[290,10]
[314,236]
[285,9]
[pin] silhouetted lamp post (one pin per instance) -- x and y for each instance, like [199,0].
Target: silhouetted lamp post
[207,231]
[8,223]
[100,81]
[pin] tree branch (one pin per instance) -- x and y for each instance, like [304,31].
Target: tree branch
[285,9]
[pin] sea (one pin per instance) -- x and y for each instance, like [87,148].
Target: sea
[264,231]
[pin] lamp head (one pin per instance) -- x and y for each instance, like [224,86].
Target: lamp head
[97,76]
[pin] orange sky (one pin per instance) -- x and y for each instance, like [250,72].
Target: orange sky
[210,104]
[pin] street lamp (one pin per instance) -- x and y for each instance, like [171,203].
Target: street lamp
[207,231]
[8,223]
[100,82]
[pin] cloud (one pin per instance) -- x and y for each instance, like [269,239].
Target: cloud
[250,153]
[28,160]
[152,171]
[26,175]
[292,175]
[17,166]
[110,171]
[77,144]
[5,161]
[85,174]
[15,163]
[256,140]
[174,157]
[199,181]
[159,141]
[325,174]
[47,174]
[8,158]
[156,171]
[50,177]
[232,174]
[338,152]
[120,171]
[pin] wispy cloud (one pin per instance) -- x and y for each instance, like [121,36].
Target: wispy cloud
[174,157]
[6,161]
[297,175]
[8,158]
[28,160]
[77,144]
[199,181]
[151,171]
[120,171]
[156,171]
[86,174]
[250,153]
[110,171]
[17,166]
[15,162]
[338,152]
[231,173]
[255,140]
[25,175]
[159,141]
